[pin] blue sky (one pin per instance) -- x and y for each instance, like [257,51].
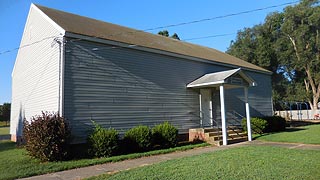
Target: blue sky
[138,14]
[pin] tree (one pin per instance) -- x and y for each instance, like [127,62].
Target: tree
[166,34]
[257,45]
[287,44]
[5,111]
[301,26]
[1,118]
[175,36]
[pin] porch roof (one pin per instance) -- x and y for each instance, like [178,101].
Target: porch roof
[233,78]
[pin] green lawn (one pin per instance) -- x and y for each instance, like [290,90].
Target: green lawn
[305,134]
[249,162]
[14,163]
[4,130]
[4,124]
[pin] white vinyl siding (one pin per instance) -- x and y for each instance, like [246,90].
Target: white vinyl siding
[35,77]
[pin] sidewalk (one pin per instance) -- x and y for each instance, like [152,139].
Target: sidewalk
[85,172]
[287,145]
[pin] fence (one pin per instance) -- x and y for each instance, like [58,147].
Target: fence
[299,114]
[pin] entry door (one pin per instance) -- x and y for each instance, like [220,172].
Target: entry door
[206,107]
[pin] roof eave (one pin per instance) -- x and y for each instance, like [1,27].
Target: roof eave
[158,51]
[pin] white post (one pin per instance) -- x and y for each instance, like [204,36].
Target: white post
[248,114]
[223,116]
[210,111]
[200,110]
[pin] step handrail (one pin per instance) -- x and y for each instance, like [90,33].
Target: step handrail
[252,125]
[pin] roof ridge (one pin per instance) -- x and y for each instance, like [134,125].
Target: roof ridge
[73,23]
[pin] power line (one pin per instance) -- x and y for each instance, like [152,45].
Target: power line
[190,22]
[95,49]
[220,17]
[167,26]
[210,36]
[26,45]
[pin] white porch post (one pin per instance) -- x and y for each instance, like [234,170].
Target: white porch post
[248,114]
[223,116]
[210,110]
[201,123]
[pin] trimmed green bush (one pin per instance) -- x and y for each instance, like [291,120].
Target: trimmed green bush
[138,139]
[103,142]
[258,125]
[47,137]
[275,124]
[165,135]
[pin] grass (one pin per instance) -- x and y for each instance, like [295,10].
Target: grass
[15,163]
[4,130]
[4,124]
[249,162]
[305,134]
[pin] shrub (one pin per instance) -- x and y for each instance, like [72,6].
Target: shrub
[138,139]
[258,125]
[165,135]
[103,142]
[47,137]
[275,124]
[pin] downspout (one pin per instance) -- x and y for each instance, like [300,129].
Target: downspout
[62,76]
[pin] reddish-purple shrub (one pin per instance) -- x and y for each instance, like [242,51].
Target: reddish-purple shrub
[47,137]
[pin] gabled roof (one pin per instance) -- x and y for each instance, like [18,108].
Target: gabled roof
[214,79]
[81,25]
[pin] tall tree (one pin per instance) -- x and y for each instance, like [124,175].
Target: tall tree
[257,45]
[166,34]
[287,44]
[300,28]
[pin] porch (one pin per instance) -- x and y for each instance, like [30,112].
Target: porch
[214,135]
[213,113]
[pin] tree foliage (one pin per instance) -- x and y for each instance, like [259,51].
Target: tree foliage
[286,43]
[5,111]
[166,34]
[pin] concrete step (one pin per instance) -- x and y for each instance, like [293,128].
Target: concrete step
[233,136]
[219,133]
[211,134]
[214,135]
[232,141]
[230,136]
[232,131]
[207,130]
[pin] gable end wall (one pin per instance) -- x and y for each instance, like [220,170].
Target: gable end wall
[35,77]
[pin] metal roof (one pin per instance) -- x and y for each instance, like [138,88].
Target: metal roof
[81,25]
[218,78]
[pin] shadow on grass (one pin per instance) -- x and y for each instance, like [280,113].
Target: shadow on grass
[7,145]
[296,123]
[294,129]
